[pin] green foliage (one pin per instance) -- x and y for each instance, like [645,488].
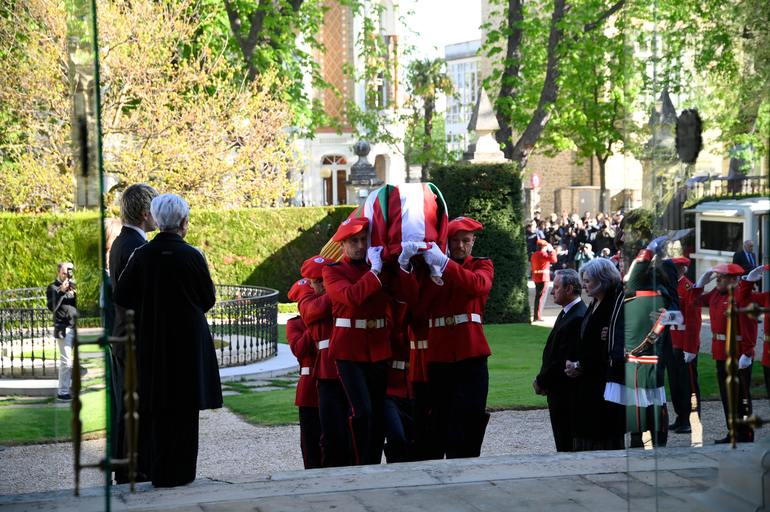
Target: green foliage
[414,144]
[491,194]
[34,244]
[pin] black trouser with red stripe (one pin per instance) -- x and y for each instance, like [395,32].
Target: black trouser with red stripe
[745,408]
[310,436]
[683,382]
[400,429]
[365,385]
[537,314]
[333,410]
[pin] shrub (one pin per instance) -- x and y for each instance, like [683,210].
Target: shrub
[491,194]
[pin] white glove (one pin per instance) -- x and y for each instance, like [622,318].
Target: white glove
[688,357]
[705,279]
[408,249]
[744,362]
[756,274]
[373,254]
[434,256]
[656,245]
[435,271]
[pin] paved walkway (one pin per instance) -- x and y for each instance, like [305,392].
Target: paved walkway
[595,481]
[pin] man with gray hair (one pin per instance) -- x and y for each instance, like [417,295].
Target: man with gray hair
[137,221]
[167,282]
[61,301]
[551,381]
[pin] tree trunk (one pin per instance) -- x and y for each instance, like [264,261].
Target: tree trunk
[510,74]
[550,91]
[602,180]
[427,145]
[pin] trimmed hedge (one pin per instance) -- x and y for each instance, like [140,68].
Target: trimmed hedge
[491,194]
[245,246]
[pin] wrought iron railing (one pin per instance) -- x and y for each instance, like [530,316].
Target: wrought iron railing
[726,188]
[243,322]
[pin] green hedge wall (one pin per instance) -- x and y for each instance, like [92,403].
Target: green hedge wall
[491,194]
[245,246]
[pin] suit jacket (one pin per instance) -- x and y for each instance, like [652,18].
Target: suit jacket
[740,258]
[560,341]
[121,251]
[167,282]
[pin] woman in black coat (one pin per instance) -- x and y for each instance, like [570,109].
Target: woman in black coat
[167,282]
[597,424]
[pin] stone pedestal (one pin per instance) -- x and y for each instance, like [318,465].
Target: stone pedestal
[363,178]
[744,482]
[484,148]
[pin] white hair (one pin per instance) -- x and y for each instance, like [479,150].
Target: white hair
[169,210]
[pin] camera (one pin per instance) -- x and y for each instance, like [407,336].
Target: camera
[71,281]
[582,247]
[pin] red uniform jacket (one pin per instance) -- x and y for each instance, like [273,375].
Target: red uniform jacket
[357,298]
[541,265]
[746,295]
[316,312]
[687,335]
[717,304]
[417,320]
[456,309]
[398,366]
[303,348]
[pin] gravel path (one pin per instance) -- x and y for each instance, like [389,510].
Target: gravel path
[229,445]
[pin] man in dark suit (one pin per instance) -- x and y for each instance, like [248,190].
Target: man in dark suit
[137,220]
[551,381]
[168,283]
[745,257]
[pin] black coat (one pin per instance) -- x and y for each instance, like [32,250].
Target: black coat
[122,247]
[557,348]
[167,282]
[740,258]
[592,416]
[63,305]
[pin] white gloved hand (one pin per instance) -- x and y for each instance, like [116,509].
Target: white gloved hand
[688,357]
[434,256]
[408,249]
[656,245]
[705,279]
[435,271]
[373,254]
[756,274]
[744,362]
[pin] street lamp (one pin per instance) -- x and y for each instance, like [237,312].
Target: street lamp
[325,173]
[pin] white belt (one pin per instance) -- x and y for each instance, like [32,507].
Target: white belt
[542,271]
[723,337]
[360,323]
[419,344]
[400,365]
[452,320]
[305,370]
[323,344]
[679,327]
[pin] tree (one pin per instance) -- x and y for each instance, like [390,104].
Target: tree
[173,112]
[529,80]
[428,79]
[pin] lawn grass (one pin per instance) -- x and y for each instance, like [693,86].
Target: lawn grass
[36,425]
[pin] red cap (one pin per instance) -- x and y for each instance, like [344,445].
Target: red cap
[313,267]
[731,269]
[767,267]
[681,262]
[542,241]
[463,224]
[350,227]
[299,290]
[615,256]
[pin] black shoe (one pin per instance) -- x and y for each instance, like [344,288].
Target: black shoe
[684,429]
[64,398]
[675,425]
[724,440]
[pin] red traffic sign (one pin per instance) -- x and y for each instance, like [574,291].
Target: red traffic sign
[535,180]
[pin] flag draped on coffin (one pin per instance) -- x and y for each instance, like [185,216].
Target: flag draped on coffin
[411,212]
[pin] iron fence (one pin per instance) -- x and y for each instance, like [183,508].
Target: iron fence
[243,322]
[700,189]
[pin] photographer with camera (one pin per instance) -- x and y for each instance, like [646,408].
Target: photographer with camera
[61,301]
[584,255]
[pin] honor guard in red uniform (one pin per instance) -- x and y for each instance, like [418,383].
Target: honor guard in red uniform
[316,311]
[717,300]
[541,274]
[303,348]
[360,343]
[399,433]
[682,362]
[458,378]
[746,295]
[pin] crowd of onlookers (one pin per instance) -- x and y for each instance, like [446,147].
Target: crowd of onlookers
[576,240]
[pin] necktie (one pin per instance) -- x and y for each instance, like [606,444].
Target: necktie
[751,260]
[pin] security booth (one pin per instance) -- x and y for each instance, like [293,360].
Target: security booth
[721,227]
